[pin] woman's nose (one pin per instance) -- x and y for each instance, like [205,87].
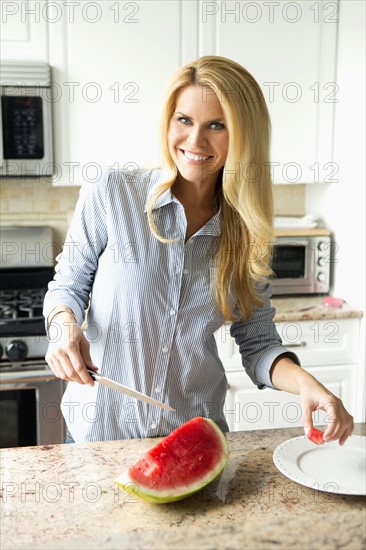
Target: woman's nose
[196,137]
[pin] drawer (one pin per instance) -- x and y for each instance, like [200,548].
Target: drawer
[318,342]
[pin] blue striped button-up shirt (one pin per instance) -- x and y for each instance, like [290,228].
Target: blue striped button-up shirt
[152,314]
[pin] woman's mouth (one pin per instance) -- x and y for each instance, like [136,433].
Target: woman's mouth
[193,157]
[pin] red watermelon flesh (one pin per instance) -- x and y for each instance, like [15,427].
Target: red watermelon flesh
[316,436]
[180,465]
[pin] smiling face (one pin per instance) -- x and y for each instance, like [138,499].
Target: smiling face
[197,136]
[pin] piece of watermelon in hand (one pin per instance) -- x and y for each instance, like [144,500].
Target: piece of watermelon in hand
[316,436]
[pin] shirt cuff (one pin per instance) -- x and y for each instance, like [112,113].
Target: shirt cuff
[264,366]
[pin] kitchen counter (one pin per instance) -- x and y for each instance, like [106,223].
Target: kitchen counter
[308,308]
[64,496]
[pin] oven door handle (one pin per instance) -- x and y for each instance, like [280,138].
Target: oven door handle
[26,378]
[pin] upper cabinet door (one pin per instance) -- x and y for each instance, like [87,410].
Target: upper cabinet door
[24,27]
[290,48]
[111,61]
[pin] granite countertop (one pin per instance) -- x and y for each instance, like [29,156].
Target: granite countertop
[307,308]
[64,496]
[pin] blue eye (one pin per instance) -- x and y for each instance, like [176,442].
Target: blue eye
[184,120]
[217,126]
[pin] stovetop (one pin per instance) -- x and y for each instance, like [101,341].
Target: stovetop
[21,305]
[22,328]
[21,302]
[27,266]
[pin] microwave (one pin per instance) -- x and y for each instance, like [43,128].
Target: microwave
[26,134]
[302,265]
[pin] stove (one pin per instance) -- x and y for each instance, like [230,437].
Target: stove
[22,331]
[16,305]
[30,394]
[24,275]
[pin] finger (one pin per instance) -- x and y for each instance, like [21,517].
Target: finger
[85,354]
[68,365]
[69,368]
[348,431]
[334,419]
[333,432]
[307,419]
[83,377]
[342,430]
[54,365]
[62,368]
[345,436]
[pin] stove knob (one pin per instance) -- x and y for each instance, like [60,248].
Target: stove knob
[17,350]
[321,277]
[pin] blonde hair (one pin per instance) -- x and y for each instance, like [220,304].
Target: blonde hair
[244,250]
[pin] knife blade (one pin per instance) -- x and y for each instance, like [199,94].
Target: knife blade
[127,391]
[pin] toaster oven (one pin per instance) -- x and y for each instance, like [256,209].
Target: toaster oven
[302,265]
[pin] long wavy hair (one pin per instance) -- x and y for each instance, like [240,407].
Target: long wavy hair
[244,251]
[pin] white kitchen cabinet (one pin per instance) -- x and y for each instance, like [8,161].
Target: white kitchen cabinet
[111,62]
[327,348]
[24,30]
[290,48]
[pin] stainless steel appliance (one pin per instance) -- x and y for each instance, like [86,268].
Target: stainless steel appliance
[302,264]
[25,119]
[30,394]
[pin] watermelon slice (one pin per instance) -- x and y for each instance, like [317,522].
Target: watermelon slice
[181,464]
[316,436]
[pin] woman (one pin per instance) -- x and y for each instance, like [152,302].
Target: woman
[160,259]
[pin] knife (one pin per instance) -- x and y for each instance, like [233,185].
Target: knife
[127,391]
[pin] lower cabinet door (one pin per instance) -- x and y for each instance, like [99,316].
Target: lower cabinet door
[248,408]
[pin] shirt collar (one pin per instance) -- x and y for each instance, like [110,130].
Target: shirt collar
[212,227]
[166,198]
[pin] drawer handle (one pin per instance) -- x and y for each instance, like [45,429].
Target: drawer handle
[300,344]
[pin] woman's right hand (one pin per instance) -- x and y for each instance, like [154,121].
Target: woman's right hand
[68,352]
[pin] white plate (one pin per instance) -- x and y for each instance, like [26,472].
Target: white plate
[328,467]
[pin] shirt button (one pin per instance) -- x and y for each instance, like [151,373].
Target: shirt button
[153,426]
[190,241]
[157,389]
[185,271]
[165,349]
[172,312]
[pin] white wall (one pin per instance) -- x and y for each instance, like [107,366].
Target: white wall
[342,204]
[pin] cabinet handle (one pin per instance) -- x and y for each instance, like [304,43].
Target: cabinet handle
[300,344]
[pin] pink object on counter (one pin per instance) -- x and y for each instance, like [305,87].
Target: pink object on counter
[329,301]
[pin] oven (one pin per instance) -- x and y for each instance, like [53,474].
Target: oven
[302,265]
[30,394]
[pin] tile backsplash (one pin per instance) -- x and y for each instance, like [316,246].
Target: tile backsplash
[37,202]
[289,200]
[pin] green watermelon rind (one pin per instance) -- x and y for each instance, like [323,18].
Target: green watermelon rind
[173,495]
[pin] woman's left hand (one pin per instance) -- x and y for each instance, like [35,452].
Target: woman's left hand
[288,376]
[314,396]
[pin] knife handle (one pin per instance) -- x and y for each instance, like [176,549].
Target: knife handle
[92,373]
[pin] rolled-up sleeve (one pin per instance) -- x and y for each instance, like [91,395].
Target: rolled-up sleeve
[78,261]
[259,342]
